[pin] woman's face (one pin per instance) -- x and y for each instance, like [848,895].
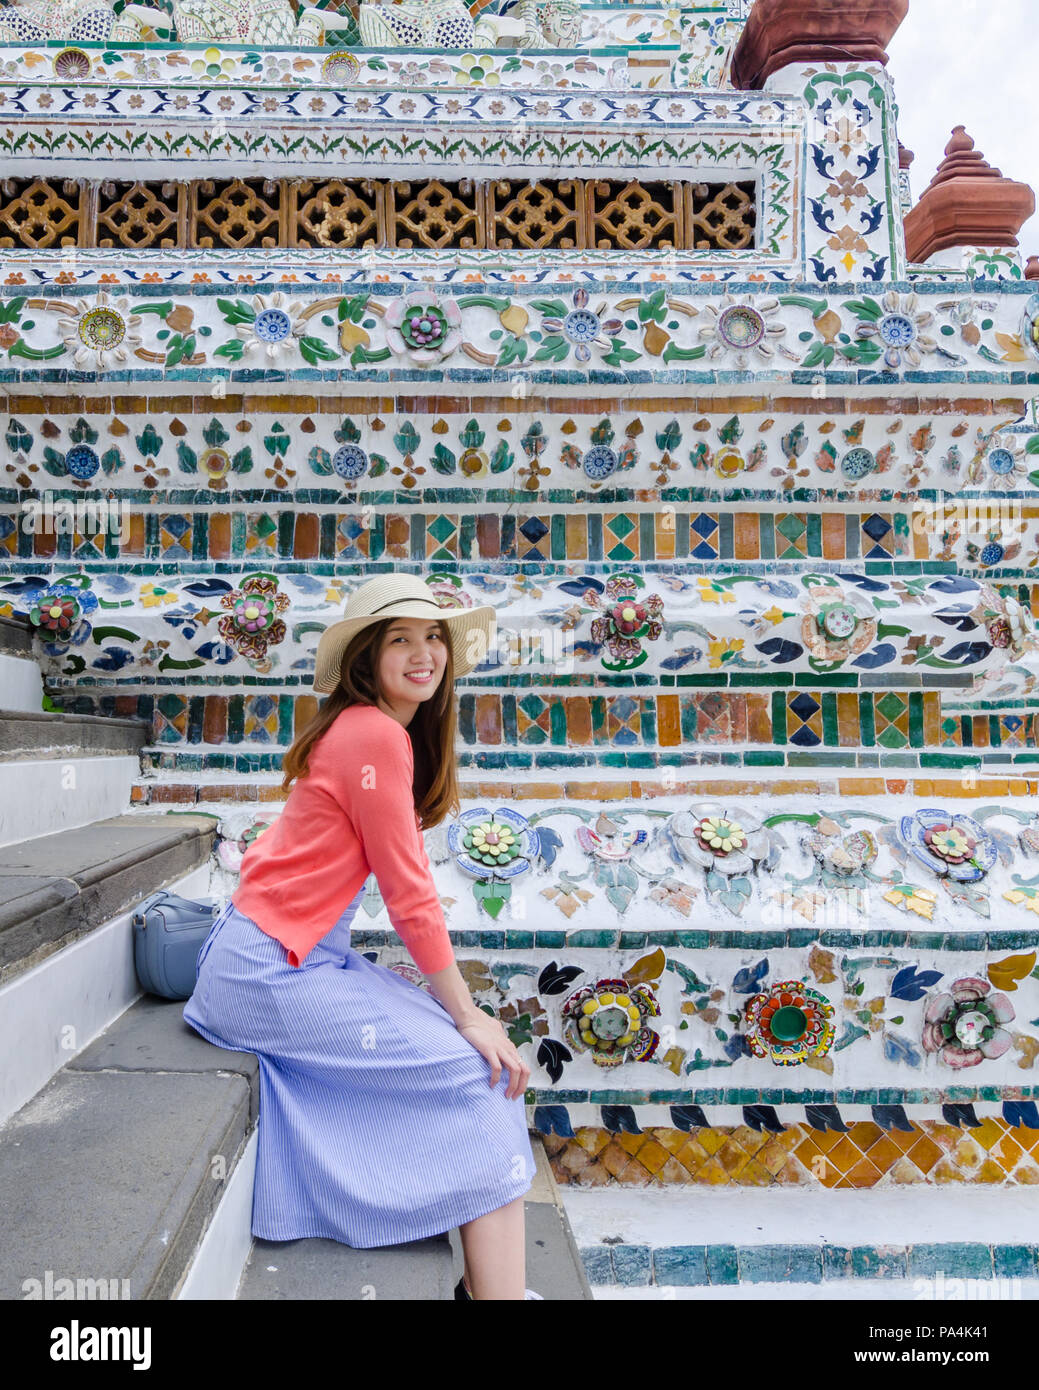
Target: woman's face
[411,665]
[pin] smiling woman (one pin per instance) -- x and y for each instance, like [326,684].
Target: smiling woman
[389,1111]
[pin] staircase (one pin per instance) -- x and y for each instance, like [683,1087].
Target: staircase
[128,1142]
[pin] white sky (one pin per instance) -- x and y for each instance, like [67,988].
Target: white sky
[962,62]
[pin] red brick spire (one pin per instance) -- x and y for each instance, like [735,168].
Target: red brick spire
[967,203]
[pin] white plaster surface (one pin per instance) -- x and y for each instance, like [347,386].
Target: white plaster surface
[50,1013]
[21,685]
[888,1216]
[45,795]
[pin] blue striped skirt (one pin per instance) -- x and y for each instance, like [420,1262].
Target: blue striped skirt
[377,1121]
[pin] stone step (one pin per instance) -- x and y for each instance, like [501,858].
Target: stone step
[115,1169]
[907,1243]
[35,734]
[58,888]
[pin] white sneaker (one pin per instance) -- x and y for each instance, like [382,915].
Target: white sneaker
[531,1294]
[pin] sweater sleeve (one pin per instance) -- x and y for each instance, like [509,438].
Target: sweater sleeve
[373,784]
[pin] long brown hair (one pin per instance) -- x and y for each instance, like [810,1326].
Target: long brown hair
[432,728]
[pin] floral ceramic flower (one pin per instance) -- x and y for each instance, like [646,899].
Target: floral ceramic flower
[501,844]
[584,327]
[609,1020]
[743,329]
[962,1024]
[790,1023]
[1007,622]
[253,624]
[626,621]
[58,612]
[899,330]
[952,846]
[423,327]
[726,840]
[268,325]
[837,625]
[999,461]
[103,329]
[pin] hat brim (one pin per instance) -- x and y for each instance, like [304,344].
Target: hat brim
[473,631]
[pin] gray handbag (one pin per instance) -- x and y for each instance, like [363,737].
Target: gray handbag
[168,935]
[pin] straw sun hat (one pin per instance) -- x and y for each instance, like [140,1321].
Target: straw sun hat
[402,596]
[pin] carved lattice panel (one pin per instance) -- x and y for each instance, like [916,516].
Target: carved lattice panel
[341,212]
[435,214]
[34,213]
[503,214]
[240,213]
[721,219]
[140,214]
[535,215]
[634,216]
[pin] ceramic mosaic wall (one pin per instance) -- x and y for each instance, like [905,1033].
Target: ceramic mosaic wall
[569,325]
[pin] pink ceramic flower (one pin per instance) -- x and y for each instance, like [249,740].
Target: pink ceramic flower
[962,1024]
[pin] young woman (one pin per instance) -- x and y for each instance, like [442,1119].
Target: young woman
[388,1112]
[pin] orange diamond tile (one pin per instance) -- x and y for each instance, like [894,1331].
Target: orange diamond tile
[827,1139]
[864,1134]
[711,1139]
[630,1143]
[749,1140]
[690,1155]
[924,1153]
[883,1154]
[653,1156]
[673,1173]
[712,1174]
[990,1171]
[806,1151]
[902,1140]
[794,1175]
[731,1157]
[863,1174]
[989,1132]
[945,1136]
[844,1155]
[1007,1152]
[1027,1138]
[773,1156]
[754,1174]
[1027,1172]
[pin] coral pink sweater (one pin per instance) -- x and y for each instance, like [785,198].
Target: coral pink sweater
[352,814]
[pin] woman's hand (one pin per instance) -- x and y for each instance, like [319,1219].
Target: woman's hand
[490,1039]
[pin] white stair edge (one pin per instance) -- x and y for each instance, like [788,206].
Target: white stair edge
[41,796]
[51,1012]
[218,1264]
[21,684]
[975,1294]
[913,1214]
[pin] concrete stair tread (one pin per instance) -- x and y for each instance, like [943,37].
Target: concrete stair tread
[107,1171]
[32,734]
[56,888]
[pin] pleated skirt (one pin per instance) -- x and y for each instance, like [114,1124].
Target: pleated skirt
[377,1121]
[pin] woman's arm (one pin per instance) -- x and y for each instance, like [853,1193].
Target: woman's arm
[453,992]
